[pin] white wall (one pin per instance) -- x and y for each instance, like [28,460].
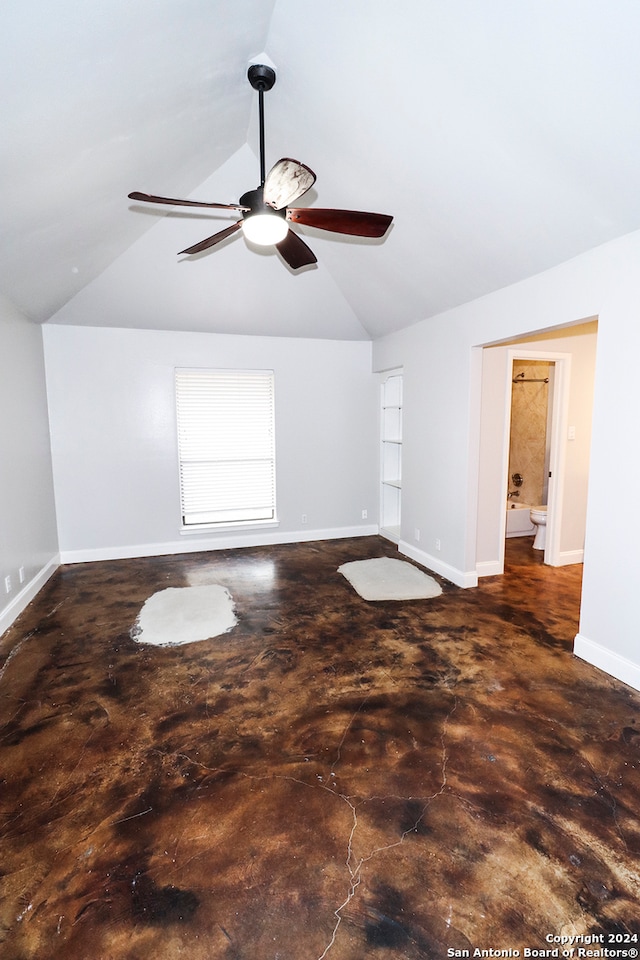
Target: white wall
[28,536]
[442,427]
[580,346]
[113,437]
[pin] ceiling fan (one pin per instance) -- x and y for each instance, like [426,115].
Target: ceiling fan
[266,211]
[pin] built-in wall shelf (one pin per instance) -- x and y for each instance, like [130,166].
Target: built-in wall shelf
[391,456]
[391,533]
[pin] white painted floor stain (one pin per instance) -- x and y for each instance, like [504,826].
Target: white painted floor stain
[384,578]
[181,615]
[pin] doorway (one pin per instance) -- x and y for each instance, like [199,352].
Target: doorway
[536,420]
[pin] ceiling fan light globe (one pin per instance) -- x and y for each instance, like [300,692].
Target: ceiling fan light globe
[265,228]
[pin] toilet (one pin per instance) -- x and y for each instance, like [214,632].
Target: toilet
[539,520]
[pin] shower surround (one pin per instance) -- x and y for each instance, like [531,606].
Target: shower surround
[528,446]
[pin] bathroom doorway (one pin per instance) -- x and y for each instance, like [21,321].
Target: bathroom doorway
[533,454]
[529,447]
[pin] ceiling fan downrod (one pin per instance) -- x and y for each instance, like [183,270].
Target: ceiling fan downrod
[261,77]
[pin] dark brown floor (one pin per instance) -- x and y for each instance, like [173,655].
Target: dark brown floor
[332,778]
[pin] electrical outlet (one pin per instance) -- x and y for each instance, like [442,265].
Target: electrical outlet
[304,518]
[438,545]
[7,584]
[364,514]
[21,575]
[416,535]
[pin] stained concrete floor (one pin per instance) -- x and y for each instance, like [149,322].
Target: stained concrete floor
[331,778]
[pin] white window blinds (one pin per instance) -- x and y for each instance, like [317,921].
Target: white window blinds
[226,445]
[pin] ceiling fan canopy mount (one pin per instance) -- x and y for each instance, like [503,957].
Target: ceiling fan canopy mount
[267,211]
[261,77]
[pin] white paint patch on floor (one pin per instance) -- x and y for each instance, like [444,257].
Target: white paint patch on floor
[384,578]
[180,615]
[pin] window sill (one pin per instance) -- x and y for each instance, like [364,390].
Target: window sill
[242,525]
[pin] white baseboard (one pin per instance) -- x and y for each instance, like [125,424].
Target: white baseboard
[569,557]
[228,541]
[28,592]
[489,568]
[612,663]
[459,577]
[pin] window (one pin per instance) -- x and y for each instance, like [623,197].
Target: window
[226,446]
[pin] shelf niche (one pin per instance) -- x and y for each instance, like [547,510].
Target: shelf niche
[391,456]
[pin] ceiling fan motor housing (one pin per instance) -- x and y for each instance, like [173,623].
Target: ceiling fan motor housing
[255,201]
[261,223]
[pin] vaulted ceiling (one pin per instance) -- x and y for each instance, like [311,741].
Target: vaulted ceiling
[503,137]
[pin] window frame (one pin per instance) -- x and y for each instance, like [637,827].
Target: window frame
[262,463]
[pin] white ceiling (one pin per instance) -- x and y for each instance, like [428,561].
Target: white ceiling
[504,138]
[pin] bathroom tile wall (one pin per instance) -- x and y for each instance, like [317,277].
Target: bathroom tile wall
[529,430]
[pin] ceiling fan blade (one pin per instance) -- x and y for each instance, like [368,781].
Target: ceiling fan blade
[151,198]
[287,181]
[354,222]
[295,251]
[216,238]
